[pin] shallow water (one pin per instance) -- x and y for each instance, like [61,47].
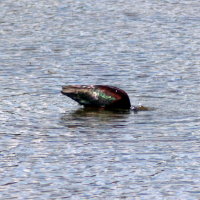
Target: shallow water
[51,148]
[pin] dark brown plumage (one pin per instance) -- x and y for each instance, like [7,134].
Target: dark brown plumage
[100,96]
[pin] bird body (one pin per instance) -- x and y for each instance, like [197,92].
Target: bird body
[101,96]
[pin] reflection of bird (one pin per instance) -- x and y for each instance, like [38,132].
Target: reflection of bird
[98,96]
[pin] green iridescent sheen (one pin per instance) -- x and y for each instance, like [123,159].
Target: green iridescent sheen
[104,96]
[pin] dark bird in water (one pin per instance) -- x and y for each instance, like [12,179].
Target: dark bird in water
[99,96]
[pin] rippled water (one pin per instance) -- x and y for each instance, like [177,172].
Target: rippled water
[51,148]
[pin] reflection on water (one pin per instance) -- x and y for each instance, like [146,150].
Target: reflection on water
[89,117]
[100,113]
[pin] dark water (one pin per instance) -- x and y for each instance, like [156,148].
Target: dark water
[51,148]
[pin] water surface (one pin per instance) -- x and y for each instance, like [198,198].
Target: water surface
[51,148]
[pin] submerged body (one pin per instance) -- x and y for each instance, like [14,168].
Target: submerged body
[98,96]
